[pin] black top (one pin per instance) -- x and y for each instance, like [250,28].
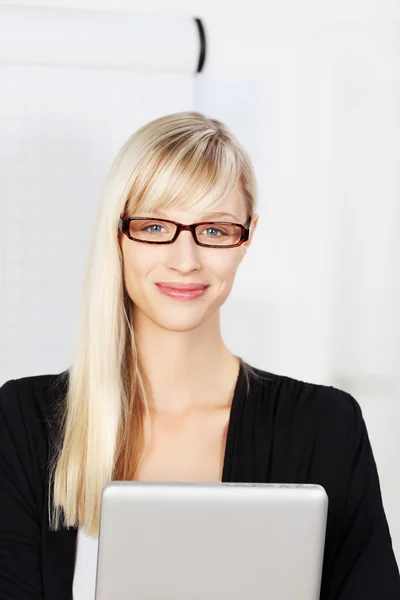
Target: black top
[284,431]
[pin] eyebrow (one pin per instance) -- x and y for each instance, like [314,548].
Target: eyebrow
[211,215]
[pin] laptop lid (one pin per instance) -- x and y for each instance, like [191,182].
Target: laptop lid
[209,541]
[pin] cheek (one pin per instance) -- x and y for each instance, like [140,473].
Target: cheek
[225,267]
[135,267]
[135,256]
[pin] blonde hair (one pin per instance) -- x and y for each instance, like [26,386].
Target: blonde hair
[184,160]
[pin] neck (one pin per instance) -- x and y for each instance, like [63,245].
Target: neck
[185,369]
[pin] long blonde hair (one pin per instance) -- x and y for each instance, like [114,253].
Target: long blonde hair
[184,160]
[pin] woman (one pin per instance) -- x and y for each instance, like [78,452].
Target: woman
[153,392]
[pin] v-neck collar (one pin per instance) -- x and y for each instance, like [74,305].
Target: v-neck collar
[237,401]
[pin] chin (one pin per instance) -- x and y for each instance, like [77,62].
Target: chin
[179,321]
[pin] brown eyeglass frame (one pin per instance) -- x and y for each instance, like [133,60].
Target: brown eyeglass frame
[123,226]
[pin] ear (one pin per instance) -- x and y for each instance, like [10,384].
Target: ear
[245,246]
[253,226]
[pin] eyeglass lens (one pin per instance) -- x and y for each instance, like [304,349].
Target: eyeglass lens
[151,230]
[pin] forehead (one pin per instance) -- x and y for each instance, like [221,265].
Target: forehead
[232,208]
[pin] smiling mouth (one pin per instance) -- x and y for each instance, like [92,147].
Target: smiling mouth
[182,293]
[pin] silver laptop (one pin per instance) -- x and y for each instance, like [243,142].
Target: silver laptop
[211,541]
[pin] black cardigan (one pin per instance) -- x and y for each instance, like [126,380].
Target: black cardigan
[285,431]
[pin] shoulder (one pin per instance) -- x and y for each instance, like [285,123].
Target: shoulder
[308,432]
[28,404]
[315,407]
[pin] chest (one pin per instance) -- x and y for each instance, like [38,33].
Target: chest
[190,448]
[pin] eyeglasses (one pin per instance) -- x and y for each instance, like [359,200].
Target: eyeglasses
[163,231]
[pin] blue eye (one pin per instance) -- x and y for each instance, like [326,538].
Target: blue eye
[149,227]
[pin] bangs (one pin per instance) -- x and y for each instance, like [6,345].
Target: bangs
[193,174]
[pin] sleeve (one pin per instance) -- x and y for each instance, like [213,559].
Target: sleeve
[20,521]
[363,566]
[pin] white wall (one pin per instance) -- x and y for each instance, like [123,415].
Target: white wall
[313,90]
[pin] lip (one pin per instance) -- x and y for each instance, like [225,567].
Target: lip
[187,287]
[182,294]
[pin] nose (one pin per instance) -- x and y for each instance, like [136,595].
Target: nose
[183,253]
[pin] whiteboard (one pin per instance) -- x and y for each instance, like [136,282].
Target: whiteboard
[75,84]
